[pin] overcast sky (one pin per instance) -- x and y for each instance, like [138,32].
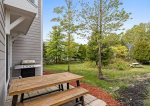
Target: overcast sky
[140,10]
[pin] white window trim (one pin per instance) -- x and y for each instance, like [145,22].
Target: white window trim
[36,2]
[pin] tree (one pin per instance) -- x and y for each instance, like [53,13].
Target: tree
[55,47]
[44,51]
[133,35]
[92,51]
[141,51]
[73,49]
[92,48]
[112,39]
[120,51]
[103,17]
[67,19]
[138,31]
[81,52]
[107,55]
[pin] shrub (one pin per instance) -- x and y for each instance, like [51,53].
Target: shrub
[90,64]
[119,64]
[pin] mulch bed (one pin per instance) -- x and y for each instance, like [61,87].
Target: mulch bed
[135,94]
[97,92]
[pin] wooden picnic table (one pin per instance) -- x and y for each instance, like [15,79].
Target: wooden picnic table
[26,85]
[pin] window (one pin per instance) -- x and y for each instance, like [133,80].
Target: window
[35,2]
[32,1]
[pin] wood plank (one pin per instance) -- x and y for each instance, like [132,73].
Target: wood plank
[56,99]
[26,85]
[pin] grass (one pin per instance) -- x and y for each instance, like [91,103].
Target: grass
[147,100]
[90,75]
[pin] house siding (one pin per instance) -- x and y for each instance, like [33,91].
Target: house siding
[2,55]
[29,46]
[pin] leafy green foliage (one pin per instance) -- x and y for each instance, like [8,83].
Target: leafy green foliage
[90,64]
[92,51]
[56,49]
[44,50]
[137,32]
[112,15]
[44,53]
[141,51]
[67,19]
[139,37]
[92,48]
[107,55]
[73,47]
[119,64]
[120,51]
[103,17]
[100,19]
[82,52]
[111,39]
[55,46]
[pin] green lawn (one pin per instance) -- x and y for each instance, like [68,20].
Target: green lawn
[120,78]
[147,100]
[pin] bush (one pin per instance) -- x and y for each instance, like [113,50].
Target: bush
[119,64]
[90,64]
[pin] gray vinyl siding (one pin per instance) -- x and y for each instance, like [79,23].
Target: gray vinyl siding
[2,55]
[28,46]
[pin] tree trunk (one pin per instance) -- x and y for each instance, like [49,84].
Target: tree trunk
[100,75]
[69,34]
[56,60]
[69,52]
[68,65]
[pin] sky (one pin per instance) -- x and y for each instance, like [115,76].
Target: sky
[140,10]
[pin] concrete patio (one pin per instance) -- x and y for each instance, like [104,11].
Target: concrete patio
[89,99]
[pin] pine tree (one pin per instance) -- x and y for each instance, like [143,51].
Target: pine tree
[55,47]
[67,20]
[103,17]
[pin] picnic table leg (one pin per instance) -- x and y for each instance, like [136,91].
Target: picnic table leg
[82,100]
[77,100]
[62,87]
[68,86]
[14,100]
[59,87]
[78,83]
[22,98]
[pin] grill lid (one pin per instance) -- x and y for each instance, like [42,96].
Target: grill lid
[25,62]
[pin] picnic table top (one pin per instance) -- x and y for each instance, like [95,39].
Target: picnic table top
[25,85]
[135,63]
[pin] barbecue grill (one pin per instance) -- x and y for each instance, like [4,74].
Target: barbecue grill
[27,68]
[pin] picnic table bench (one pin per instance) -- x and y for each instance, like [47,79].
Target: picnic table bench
[26,85]
[136,65]
[58,98]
